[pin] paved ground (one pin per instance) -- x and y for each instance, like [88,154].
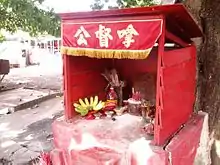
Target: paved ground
[48,75]
[18,99]
[24,134]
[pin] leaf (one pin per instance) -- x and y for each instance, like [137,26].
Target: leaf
[99,4]
[27,16]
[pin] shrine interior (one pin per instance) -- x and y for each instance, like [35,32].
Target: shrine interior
[86,76]
[86,79]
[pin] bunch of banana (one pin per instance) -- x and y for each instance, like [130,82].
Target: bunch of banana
[85,106]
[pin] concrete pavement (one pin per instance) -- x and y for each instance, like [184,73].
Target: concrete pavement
[24,134]
[18,99]
[48,75]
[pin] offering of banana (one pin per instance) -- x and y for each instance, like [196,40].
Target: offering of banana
[83,107]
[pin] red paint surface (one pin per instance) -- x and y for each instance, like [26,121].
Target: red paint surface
[159,157]
[130,68]
[180,150]
[67,87]
[177,91]
[82,78]
[95,156]
[158,119]
[57,157]
[113,139]
[184,145]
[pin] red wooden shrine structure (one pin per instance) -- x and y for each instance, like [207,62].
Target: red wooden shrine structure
[134,41]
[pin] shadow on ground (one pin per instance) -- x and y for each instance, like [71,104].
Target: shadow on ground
[37,137]
[40,132]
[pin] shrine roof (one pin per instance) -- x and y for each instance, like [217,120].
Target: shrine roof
[178,19]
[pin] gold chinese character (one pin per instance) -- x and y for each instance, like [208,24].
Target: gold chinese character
[104,35]
[82,34]
[128,33]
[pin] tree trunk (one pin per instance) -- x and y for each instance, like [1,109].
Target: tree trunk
[208,94]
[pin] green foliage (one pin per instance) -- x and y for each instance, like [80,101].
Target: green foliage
[99,4]
[26,15]
[134,3]
[2,38]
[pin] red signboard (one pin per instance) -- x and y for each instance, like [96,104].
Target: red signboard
[111,39]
